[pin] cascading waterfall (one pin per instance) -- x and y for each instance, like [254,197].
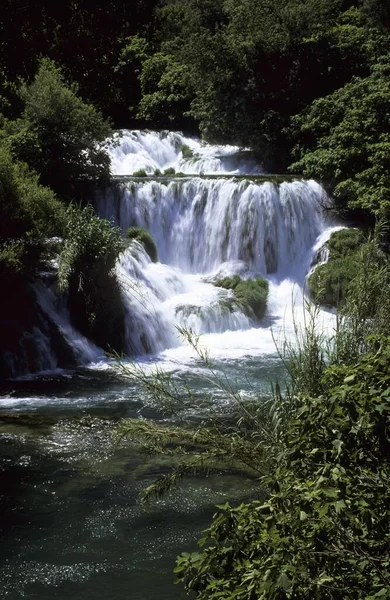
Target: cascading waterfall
[205,228]
[200,224]
[134,151]
[159,298]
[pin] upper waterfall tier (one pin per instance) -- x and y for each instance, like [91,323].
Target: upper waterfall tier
[152,151]
[200,224]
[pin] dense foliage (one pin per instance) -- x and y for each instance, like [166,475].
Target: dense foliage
[54,150]
[345,139]
[328,283]
[302,82]
[91,248]
[30,213]
[58,134]
[323,531]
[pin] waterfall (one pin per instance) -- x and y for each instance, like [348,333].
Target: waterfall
[200,224]
[133,151]
[159,298]
[205,227]
[54,307]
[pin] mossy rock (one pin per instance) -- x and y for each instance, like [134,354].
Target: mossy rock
[250,294]
[144,237]
[187,152]
[329,282]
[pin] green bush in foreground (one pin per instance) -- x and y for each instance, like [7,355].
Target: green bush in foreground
[324,530]
[144,237]
[250,294]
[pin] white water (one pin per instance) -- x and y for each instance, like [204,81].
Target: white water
[150,151]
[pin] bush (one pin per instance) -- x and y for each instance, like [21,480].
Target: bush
[92,246]
[329,282]
[170,172]
[250,294]
[140,173]
[27,208]
[345,241]
[323,532]
[186,152]
[144,237]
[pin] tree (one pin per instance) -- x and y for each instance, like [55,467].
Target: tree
[344,139]
[59,135]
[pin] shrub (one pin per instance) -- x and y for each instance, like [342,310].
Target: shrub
[170,172]
[140,173]
[29,211]
[250,294]
[59,135]
[329,282]
[345,241]
[91,248]
[186,152]
[228,283]
[144,237]
[323,531]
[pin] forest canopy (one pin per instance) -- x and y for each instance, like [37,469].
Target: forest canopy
[304,83]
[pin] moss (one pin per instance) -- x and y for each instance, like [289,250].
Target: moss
[228,283]
[250,294]
[245,180]
[329,282]
[144,237]
[186,152]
